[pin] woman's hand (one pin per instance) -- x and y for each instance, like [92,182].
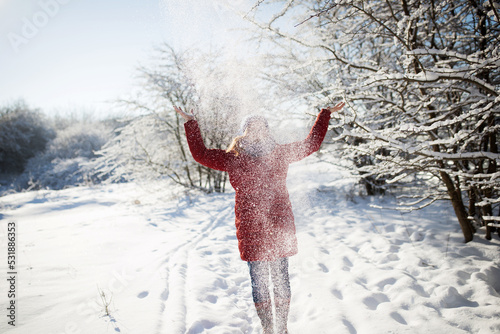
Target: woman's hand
[184,115]
[337,107]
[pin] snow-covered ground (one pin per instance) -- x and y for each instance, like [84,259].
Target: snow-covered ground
[167,262]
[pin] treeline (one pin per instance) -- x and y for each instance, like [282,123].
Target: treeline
[39,152]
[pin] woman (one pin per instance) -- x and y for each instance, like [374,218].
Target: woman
[257,168]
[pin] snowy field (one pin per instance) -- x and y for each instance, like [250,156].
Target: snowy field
[167,262]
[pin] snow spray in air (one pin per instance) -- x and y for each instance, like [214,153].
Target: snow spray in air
[224,76]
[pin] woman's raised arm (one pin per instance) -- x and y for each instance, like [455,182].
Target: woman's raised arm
[301,149]
[211,158]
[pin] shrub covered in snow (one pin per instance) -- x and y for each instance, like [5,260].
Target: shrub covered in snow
[140,148]
[24,132]
[65,161]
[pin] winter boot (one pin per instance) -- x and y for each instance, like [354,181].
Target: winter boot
[265,313]
[282,308]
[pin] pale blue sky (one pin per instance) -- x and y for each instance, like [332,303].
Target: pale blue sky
[71,54]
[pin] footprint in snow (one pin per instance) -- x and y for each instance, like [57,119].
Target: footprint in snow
[324,250]
[164,295]
[375,300]
[347,264]
[349,326]
[220,283]
[337,293]
[323,267]
[143,294]
[396,316]
[388,281]
[200,326]
[212,299]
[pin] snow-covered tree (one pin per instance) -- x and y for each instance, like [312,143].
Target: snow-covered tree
[421,79]
[153,144]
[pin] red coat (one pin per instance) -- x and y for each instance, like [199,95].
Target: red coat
[264,220]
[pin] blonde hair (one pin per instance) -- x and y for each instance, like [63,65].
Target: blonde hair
[235,146]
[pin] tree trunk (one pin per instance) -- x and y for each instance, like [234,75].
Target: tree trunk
[459,207]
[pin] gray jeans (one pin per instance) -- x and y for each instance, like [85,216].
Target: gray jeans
[277,270]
